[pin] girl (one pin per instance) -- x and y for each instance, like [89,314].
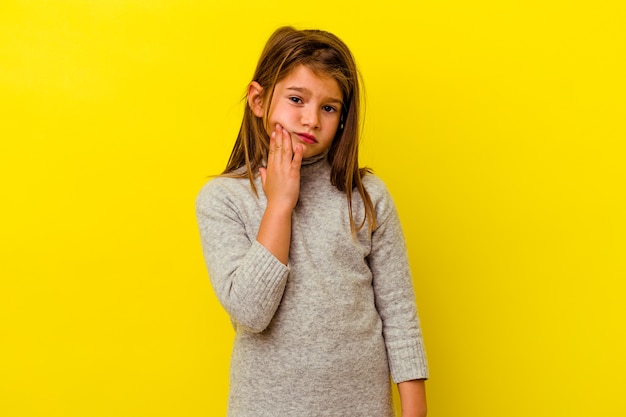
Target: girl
[305,250]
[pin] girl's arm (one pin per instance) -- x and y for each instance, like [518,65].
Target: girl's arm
[393,290]
[248,271]
[395,302]
[413,398]
[281,184]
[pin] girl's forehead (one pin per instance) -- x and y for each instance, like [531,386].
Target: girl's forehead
[303,78]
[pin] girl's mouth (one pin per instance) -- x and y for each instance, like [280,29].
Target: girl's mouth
[306,138]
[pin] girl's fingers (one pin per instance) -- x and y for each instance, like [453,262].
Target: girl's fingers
[281,178]
[282,152]
[276,146]
[278,139]
[297,155]
[263,173]
[281,149]
[286,141]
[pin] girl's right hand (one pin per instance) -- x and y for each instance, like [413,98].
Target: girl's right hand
[281,184]
[281,178]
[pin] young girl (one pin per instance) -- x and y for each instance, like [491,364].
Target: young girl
[305,250]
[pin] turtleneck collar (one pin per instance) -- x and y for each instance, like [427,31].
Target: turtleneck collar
[306,162]
[315,158]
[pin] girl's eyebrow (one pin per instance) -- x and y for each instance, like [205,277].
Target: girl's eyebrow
[305,90]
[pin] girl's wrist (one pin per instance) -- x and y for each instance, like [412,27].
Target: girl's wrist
[413,398]
[279,209]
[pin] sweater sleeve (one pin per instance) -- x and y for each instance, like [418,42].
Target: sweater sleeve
[394,294]
[247,279]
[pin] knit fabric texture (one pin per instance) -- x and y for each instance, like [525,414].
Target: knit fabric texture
[322,335]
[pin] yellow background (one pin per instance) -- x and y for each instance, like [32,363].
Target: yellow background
[499,127]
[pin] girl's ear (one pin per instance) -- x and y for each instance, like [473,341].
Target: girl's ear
[255,99]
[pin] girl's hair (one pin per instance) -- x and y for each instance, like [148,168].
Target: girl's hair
[324,54]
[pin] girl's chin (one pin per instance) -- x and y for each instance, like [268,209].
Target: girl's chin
[309,153]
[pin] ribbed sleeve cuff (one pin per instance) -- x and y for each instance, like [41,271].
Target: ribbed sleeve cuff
[270,276]
[407,361]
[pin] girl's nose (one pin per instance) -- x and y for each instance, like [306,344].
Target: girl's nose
[310,118]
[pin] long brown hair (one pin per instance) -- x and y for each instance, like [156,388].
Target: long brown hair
[323,53]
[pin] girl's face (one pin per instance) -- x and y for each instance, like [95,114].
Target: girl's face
[309,107]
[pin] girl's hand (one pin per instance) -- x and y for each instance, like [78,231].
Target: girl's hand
[281,178]
[281,184]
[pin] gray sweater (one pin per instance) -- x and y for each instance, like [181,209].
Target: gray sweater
[320,336]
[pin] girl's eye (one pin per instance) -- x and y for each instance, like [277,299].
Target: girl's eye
[295,99]
[329,109]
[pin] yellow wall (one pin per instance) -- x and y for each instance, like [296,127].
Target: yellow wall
[499,127]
